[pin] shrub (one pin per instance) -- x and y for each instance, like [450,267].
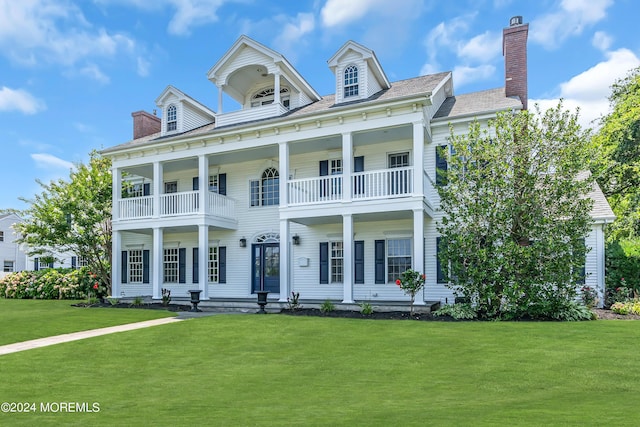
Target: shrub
[411,282]
[59,283]
[622,263]
[166,297]
[327,306]
[294,301]
[589,296]
[366,308]
[463,311]
[628,307]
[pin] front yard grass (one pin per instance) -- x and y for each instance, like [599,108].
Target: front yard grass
[22,320]
[283,370]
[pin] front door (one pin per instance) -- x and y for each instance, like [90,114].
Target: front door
[266,267]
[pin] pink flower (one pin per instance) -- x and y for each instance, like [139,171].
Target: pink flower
[95,286]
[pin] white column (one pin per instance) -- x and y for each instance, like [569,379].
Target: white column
[203,183]
[418,249]
[276,87]
[158,179]
[219,98]
[347,166]
[157,264]
[203,258]
[283,153]
[116,260]
[285,259]
[116,179]
[418,157]
[347,248]
[600,265]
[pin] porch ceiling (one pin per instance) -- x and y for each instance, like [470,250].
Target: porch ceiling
[366,217]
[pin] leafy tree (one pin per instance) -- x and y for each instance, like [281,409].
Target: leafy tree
[515,213]
[74,216]
[617,168]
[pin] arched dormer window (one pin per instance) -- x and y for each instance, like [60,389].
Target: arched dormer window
[266,190]
[266,97]
[351,81]
[172,118]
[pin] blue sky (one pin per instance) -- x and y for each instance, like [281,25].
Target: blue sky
[71,72]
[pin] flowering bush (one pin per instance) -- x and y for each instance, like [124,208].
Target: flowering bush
[411,282]
[629,307]
[620,293]
[61,283]
[589,296]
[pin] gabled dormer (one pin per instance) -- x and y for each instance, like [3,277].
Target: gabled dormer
[181,113]
[261,80]
[358,73]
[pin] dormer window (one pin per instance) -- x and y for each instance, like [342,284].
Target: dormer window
[351,81]
[172,118]
[266,97]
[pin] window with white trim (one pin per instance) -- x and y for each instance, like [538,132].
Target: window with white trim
[350,81]
[267,96]
[266,190]
[398,258]
[8,267]
[172,118]
[135,265]
[170,265]
[214,185]
[171,187]
[1,236]
[336,256]
[213,265]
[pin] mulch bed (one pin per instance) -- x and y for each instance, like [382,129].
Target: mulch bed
[147,306]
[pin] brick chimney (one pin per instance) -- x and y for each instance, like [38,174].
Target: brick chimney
[144,124]
[514,50]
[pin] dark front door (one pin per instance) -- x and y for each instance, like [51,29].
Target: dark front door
[266,267]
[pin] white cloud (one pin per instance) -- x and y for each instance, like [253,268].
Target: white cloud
[570,19]
[93,71]
[590,89]
[143,66]
[339,12]
[601,40]
[293,30]
[465,74]
[484,47]
[49,161]
[190,13]
[19,100]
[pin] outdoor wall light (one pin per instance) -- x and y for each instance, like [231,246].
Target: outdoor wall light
[243,243]
[296,239]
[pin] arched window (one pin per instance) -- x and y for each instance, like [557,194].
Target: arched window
[172,118]
[266,96]
[266,190]
[350,81]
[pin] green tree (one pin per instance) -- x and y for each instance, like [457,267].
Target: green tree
[516,213]
[74,216]
[617,168]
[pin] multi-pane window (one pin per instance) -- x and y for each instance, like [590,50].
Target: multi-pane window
[399,182]
[351,81]
[135,266]
[266,190]
[214,185]
[266,97]
[172,118]
[8,267]
[170,265]
[133,190]
[171,187]
[213,266]
[398,258]
[1,236]
[399,160]
[336,255]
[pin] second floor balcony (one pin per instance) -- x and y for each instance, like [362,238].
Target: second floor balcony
[175,204]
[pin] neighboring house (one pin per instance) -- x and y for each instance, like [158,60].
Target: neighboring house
[12,257]
[333,197]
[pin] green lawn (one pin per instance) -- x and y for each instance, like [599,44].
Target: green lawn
[239,370]
[22,320]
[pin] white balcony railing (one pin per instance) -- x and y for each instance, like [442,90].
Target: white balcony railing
[175,204]
[221,206]
[182,203]
[135,207]
[315,190]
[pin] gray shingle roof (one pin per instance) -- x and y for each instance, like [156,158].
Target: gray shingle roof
[601,211]
[475,103]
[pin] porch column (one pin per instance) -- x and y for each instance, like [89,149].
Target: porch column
[600,265]
[347,166]
[347,258]
[116,267]
[116,179]
[157,187]
[203,183]
[418,249]
[418,157]
[276,87]
[219,86]
[157,262]
[203,255]
[285,237]
[283,153]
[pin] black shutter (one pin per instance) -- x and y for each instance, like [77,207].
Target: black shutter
[358,184]
[441,165]
[222,264]
[358,261]
[439,271]
[123,267]
[324,262]
[222,184]
[379,261]
[146,189]
[196,183]
[74,261]
[36,264]
[324,171]
[583,268]
[145,266]
[195,262]
[182,265]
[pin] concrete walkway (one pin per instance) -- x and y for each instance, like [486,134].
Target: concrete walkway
[43,342]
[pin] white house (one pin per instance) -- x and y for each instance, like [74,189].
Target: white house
[332,196]
[12,256]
